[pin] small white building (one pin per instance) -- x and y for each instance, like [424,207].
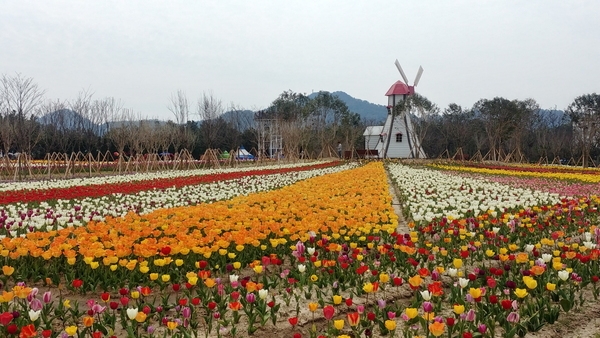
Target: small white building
[395,139]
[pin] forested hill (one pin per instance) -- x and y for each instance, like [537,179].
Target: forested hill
[368,111]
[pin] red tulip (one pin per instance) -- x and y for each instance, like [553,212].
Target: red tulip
[5,318]
[293,321]
[328,312]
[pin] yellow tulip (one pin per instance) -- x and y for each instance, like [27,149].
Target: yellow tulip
[390,325]
[411,312]
[530,282]
[475,292]
[71,330]
[338,324]
[459,309]
[458,263]
[337,299]
[521,293]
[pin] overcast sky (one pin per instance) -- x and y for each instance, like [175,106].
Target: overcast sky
[249,52]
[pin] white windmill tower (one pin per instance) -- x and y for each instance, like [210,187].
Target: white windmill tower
[397,139]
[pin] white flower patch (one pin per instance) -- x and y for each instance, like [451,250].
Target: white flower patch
[77,212]
[430,194]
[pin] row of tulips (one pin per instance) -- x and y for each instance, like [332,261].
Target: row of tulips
[128,178]
[17,219]
[560,187]
[429,194]
[590,176]
[101,186]
[323,256]
[541,168]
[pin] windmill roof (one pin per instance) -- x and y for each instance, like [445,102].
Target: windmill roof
[398,88]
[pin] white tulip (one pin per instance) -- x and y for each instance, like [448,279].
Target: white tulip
[263,293]
[563,275]
[132,313]
[452,272]
[426,295]
[301,268]
[34,315]
[546,257]
[463,282]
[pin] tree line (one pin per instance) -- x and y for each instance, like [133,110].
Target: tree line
[311,126]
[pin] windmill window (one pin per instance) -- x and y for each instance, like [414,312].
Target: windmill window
[399,137]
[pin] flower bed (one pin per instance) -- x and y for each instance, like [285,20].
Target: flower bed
[322,257]
[560,173]
[128,184]
[16,219]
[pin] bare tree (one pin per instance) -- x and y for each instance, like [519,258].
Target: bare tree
[121,135]
[179,107]
[585,114]
[209,110]
[22,97]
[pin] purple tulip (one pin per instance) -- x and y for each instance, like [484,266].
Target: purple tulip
[381,303]
[427,307]
[481,328]
[186,312]
[250,297]
[47,298]
[513,317]
[35,304]
[97,308]
[470,317]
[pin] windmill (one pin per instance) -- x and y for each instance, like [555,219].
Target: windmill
[400,125]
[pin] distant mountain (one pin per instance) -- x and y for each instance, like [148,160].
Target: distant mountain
[67,119]
[241,119]
[368,111]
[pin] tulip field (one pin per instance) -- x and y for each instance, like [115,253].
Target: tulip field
[321,249]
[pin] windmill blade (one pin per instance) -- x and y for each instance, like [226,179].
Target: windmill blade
[401,71]
[419,73]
